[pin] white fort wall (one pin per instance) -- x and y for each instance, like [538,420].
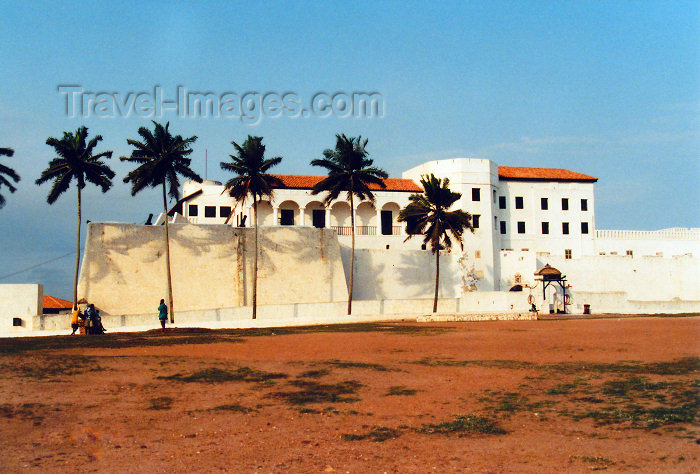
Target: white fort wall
[23,301]
[123,269]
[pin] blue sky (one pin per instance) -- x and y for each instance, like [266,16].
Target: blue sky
[610,89]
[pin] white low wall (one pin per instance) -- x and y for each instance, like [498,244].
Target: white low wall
[24,301]
[486,305]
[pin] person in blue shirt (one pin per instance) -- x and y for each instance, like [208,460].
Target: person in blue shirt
[162,314]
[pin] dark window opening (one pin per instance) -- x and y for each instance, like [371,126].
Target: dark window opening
[388,246]
[565,228]
[544,204]
[545,227]
[387,222]
[476,194]
[501,202]
[286,216]
[475,220]
[193,210]
[318,218]
[521,227]
[584,227]
[564,204]
[224,211]
[503,227]
[518,202]
[17,322]
[584,204]
[567,254]
[209,211]
[423,247]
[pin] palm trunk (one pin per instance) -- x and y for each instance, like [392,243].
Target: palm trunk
[255,259]
[167,258]
[437,279]
[77,255]
[352,252]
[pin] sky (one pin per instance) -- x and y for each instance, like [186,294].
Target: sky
[609,89]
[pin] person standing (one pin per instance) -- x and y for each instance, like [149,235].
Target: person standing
[162,314]
[74,319]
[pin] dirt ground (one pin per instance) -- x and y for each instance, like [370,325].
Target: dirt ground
[527,396]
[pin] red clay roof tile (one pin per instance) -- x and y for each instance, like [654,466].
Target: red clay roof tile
[541,174]
[295,181]
[51,302]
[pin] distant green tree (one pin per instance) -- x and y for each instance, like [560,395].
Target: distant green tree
[77,161]
[251,167]
[428,214]
[9,172]
[350,171]
[161,158]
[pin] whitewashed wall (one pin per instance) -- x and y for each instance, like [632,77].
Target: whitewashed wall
[20,301]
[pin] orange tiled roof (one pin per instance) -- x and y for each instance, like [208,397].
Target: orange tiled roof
[51,302]
[295,181]
[541,174]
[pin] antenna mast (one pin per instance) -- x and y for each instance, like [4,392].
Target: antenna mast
[206,160]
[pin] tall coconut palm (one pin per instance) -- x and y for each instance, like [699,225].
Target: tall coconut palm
[350,171]
[161,158]
[251,179]
[77,161]
[428,214]
[9,172]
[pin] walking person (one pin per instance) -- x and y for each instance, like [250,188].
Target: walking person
[162,314]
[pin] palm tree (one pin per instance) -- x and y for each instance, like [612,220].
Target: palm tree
[9,172]
[161,158]
[351,171]
[77,161]
[428,214]
[251,178]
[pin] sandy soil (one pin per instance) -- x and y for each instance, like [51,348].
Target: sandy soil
[571,396]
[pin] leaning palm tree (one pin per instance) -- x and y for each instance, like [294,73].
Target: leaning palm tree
[251,179]
[9,172]
[161,158]
[77,161]
[428,214]
[349,171]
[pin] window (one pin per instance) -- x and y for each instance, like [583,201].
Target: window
[224,211]
[476,194]
[494,196]
[544,204]
[318,218]
[584,204]
[286,216]
[475,220]
[423,246]
[521,227]
[501,202]
[629,253]
[477,253]
[518,202]
[564,204]
[545,227]
[567,254]
[503,227]
[584,227]
[209,211]
[565,228]
[193,210]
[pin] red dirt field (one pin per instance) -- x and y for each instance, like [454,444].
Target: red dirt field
[521,396]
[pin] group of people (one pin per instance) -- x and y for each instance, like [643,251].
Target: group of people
[89,319]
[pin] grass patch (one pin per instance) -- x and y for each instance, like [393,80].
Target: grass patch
[217,375]
[377,434]
[314,374]
[344,364]
[314,392]
[597,463]
[232,407]
[53,367]
[400,390]
[161,403]
[509,402]
[23,410]
[639,416]
[464,425]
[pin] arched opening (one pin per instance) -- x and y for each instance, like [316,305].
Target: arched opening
[340,218]
[389,213]
[265,213]
[288,213]
[366,219]
[315,213]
